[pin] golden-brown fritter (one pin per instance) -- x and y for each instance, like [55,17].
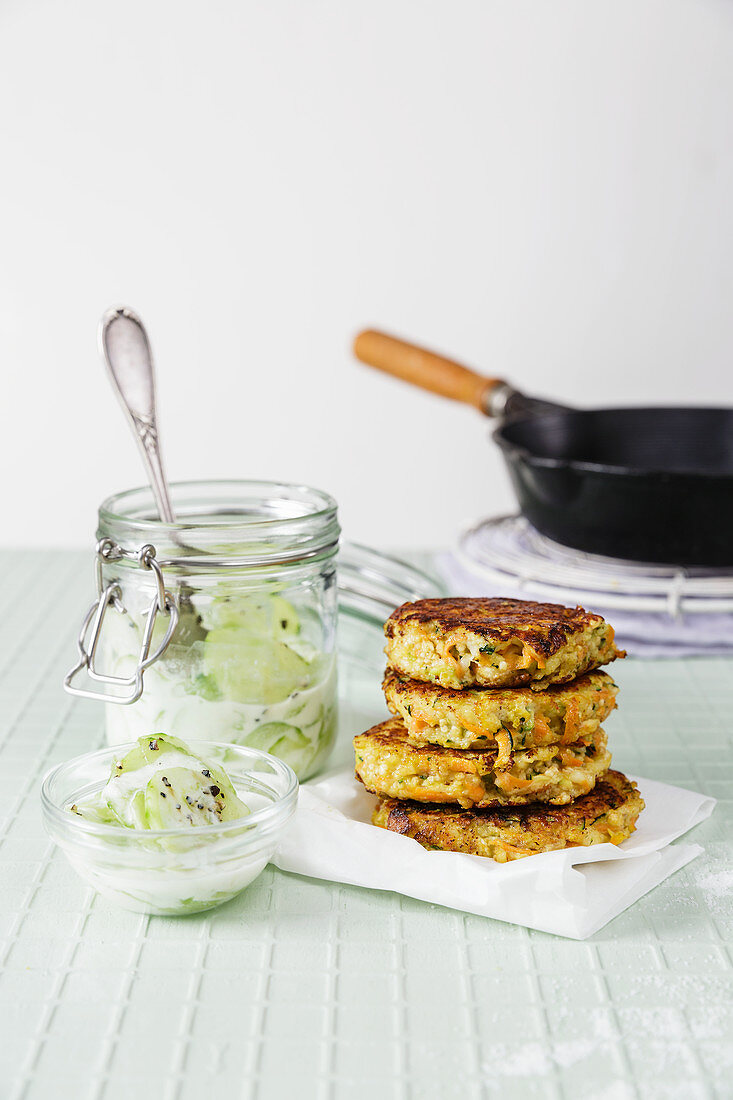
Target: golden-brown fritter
[506,719]
[390,765]
[608,813]
[460,643]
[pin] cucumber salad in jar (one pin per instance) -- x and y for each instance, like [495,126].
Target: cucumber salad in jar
[220,625]
[239,668]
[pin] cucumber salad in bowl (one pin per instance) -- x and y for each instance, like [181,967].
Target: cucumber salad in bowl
[167,828]
[240,668]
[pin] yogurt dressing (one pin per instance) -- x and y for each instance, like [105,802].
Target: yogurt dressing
[178,698]
[169,879]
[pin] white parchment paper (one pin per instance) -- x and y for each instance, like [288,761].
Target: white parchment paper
[571,893]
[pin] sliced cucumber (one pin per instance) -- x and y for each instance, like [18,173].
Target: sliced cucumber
[284,615]
[134,759]
[177,797]
[124,798]
[95,808]
[260,616]
[252,670]
[153,748]
[160,784]
[284,741]
[270,734]
[205,686]
[126,803]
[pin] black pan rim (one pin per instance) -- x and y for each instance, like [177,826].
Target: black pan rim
[510,448]
[554,409]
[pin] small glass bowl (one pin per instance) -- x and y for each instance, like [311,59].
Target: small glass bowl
[171,872]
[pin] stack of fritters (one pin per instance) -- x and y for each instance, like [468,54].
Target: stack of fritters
[496,746]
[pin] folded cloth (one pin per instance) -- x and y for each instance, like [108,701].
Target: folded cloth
[572,892]
[641,633]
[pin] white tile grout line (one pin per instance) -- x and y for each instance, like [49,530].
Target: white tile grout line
[41,870]
[101,1074]
[403,1084]
[254,1061]
[470,1006]
[52,1004]
[31,697]
[599,969]
[21,644]
[620,1042]
[48,854]
[538,1002]
[327,1085]
[23,911]
[661,961]
[29,565]
[35,777]
[178,1063]
[725,946]
[19,587]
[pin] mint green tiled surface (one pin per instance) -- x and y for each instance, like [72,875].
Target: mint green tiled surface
[305,990]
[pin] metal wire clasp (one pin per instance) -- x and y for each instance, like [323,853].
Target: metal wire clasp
[163,603]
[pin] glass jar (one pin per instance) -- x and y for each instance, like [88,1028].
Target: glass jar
[221,626]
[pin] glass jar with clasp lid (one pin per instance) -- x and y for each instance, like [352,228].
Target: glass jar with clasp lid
[220,626]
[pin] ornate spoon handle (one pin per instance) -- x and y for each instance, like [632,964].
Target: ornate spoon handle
[126,350]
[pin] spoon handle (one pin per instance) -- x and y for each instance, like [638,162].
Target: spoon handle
[126,351]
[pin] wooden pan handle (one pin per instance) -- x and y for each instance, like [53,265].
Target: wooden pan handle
[425,369]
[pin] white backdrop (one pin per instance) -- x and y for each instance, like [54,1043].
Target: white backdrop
[541,188]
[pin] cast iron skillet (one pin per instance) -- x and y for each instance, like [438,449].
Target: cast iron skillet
[645,484]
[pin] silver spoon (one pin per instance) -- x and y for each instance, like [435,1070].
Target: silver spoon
[125,349]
